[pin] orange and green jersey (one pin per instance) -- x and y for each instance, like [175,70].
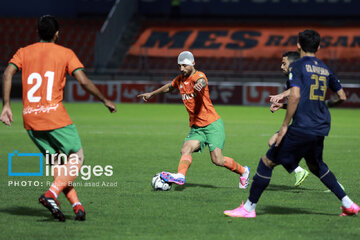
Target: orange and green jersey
[44,66]
[198,104]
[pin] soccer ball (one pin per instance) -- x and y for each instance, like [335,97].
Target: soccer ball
[158,184]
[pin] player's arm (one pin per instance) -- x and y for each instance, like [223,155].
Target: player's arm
[90,87]
[293,102]
[276,106]
[278,97]
[164,89]
[200,84]
[341,98]
[6,113]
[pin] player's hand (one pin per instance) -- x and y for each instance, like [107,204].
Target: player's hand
[145,96]
[110,105]
[199,86]
[281,134]
[275,106]
[272,140]
[6,115]
[276,98]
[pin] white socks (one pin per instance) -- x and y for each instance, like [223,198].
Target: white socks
[298,169]
[346,202]
[249,206]
[75,204]
[246,173]
[56,196]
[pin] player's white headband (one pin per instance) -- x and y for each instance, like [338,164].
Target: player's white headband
[186,57]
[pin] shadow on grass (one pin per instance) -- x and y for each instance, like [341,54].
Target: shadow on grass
[33,212]
[279,210]
[287,188]
[182,187]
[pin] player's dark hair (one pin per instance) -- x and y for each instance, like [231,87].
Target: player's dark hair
[47,27]
[309,41]
[291,55]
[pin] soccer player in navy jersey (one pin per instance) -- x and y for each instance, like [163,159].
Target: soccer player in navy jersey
[309,79]
[287,58]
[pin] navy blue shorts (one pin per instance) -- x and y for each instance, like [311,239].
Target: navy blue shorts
[295,146]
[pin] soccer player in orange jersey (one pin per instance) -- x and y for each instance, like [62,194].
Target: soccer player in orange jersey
[207,128]
[44,66]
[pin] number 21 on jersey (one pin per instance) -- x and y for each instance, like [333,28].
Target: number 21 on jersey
[316,87]
[36,77]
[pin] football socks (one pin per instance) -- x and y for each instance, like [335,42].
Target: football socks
[230,164]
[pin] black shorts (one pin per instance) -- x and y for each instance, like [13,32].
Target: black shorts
[295,146]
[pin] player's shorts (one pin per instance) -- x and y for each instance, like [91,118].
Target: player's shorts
[212,135]
[65,140]
[295,146]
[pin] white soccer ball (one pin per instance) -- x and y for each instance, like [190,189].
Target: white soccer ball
[158,184]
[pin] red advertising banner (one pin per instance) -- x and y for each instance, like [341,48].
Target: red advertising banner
[229,93]
[352,93]
[254,42]
[258,93]
[110,89]
[129,91]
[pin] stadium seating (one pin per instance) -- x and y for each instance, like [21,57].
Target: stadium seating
[78,34]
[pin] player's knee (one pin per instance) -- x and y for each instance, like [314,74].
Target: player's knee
[272,139]
[217,157]
[185,150]
[189,147]
[268,162]
[218,160]
[79,156]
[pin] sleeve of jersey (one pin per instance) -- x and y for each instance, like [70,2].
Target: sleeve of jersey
[294,76]
[74,64]
[174,82]
[334,83]
[16,60]
[201,76]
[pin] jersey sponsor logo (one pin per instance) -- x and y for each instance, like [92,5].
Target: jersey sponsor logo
[188,96]
[40,109]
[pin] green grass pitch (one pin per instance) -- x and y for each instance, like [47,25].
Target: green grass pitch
[141,140]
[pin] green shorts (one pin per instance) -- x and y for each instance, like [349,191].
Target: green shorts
[65,140]
[212,135]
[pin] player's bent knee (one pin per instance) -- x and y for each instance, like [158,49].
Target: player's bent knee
[218,161]
[189,147]
[268,162]
[217,157]
[186,150]
[79,156]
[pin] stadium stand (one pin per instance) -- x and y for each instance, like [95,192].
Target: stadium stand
[79,35]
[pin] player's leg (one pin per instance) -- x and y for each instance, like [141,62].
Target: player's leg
[314,160]
[215,138]
[300,173]
[43,142]
[260,182]
[273,139]
[78,208]
[189,146]
[219,159]
[71,195]
[285,154]
[66,140]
